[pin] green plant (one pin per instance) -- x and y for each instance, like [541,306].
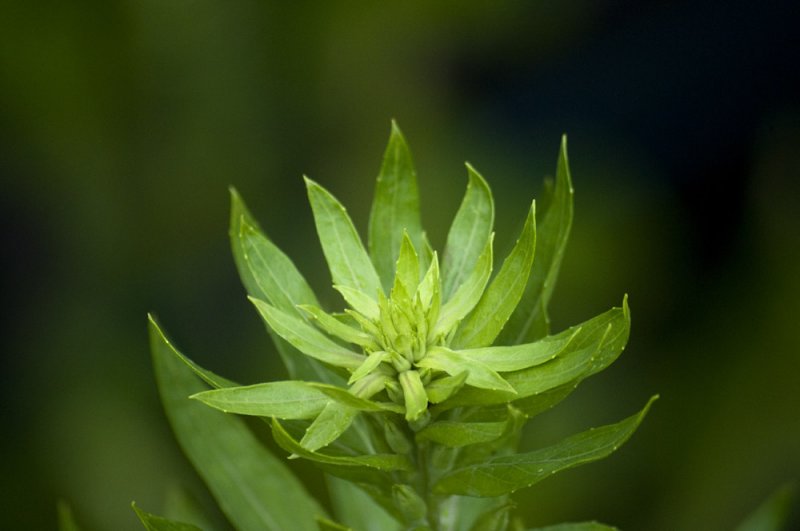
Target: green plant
[412,399]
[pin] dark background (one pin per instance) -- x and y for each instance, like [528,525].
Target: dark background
[123,123]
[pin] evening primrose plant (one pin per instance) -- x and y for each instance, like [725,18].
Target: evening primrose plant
[410,395]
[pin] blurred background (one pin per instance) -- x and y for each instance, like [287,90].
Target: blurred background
[123,123]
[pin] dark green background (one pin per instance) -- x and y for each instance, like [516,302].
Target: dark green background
[123,123]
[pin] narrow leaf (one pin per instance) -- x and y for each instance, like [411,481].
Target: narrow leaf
[517,357]
[346,398]
[330,525]
[328,426]
[501,297]
[285,400]
[388,462]
[457,434]
[306,338]
[471,228]
[359,301]
[152,522]
[370,364]
[238,470]
[336,327]
[395,207]
[347,259]
[407,268]
[530,321]
[443,388]
[478,374]
[504,475]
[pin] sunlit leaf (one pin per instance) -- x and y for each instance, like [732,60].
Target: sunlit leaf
[518,357]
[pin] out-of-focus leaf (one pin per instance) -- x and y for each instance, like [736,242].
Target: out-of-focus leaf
[506,474]
[357,509]
[468,294]
[457,434]
[530,321]
[181,505]
[577,526]
[411,506]
[518,357]
[388,462]
[495,519]
[240,473]
[285,399]
[328,426]
[347,259]
[152,522]
[395,208]
[478,374]
[330,525]
[66,520]
[306,338]
[501,297]
[773,513]
[468,234]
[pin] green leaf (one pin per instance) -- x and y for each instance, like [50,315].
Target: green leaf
[414,394]
[152,522]
[328,426]
[336,327]
[506,474]
[578,526]
[443,388]
[346,398]
[457,434]
[518,357]
[347,259]
[183,506]
[773,514]
[468,234]
[407,269]
[387,462]
[411,506]
[66,520]
[357,509]
[494,519]
[370,364]
[285,400]
[359,301]
[395,208]
[478,374]
[501,297]
[306,338]
[530,321]
[238,470]
[330,525]
[468,294]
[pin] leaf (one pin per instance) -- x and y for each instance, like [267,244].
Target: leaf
[370,364]
[183,506]
[416,400]
[578,526]
[471,228]
[518,357]
[328,426]
[346,398]
[443,388]
[387,462]
[66,520]
[493,519]
[407,269]
[357,509]
[306,338]
[457,434]
[395,208]
[529,321]
[347,259]
[336,327]
[468,294]
[359,301]
[152,522]
[238,470]
[285,400]
[411,506]
[774,513]
[501,297]
[330,525]
[478,374]
[506,474]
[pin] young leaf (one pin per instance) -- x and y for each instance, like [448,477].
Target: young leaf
[501,297]
[529,321]
[478,374]
[395,208]
[306,338]
[577,526]
[407,268]
[336,327]
[471,228]
[386,462]
[284,399]
[238,470]
[518,357]
[328,426]
[457,434]
[506,474]
[152,522]
[347,259]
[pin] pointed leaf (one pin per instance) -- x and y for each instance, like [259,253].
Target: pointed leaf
[347,259]
[478,374]
[238,470]
[530,321]
[517,357]
[306,338]
[395,208]
[407,268]
[467,237]
[468,294]
[328,426]
[369,365]
[443,388]
[359,301]
[501,297]
[346,398]
[285,400]
[457,434]
[388,462]
[152,522]
[506,474]
[336,327]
